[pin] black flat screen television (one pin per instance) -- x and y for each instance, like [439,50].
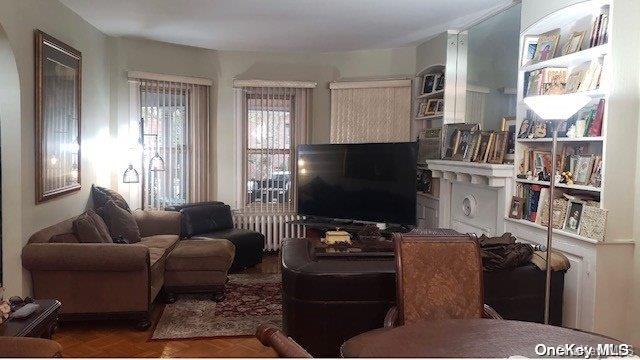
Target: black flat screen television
[367,182]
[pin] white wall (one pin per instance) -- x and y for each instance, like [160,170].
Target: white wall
[19,18]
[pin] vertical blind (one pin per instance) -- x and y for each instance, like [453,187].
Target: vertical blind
[371,111]
[174,125]
[273,120]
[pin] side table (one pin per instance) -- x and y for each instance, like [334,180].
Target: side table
[41,324]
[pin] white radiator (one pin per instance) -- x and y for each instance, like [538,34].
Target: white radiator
[272,226]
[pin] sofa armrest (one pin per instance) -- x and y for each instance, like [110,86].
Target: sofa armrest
[158,222]
[85,257]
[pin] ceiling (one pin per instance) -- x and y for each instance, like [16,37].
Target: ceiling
[282,25]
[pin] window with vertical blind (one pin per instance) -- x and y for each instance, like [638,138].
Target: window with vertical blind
[272,122]
[172,115]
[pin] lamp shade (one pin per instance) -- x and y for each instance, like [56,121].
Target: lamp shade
[556,107]
[130,175]
[156,163]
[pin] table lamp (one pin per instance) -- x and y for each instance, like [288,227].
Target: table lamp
[555,108]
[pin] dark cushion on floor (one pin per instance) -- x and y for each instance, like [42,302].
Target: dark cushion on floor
[249,246]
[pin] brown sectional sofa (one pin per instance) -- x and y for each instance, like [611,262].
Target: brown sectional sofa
[110,280]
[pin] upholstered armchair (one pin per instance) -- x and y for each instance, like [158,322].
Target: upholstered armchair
[437,277]
[25,347]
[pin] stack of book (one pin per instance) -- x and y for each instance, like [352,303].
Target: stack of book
[599,31]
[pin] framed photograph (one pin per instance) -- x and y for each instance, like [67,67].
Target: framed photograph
[439,83]
[452,139]
[559,213]
[422,109]
[583,168]
[515,210]
[429,144]
[509,125]
[428,83]
[593,223]
[574,215]
[539,130]
[440,107]
[498,148]
[473,146]
[464,145]
[574,44]
[432,107]
[547,44]
[534,83]
[525,129]
[542,165]
[484,144]
[529,47]
[58,77]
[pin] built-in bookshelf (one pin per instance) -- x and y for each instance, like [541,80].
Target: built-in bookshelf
[576,61]
[428,99]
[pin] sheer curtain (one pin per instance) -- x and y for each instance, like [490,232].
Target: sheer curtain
[172,116]
[371,111]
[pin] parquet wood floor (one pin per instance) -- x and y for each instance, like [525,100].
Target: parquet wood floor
[120,339]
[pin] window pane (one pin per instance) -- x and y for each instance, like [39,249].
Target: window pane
[269,123]
[268,178]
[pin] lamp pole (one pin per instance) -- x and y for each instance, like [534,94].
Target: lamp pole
[552,187]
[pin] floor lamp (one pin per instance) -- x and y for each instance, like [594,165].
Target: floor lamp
[555,108]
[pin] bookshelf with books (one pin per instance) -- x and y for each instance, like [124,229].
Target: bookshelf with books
[571,50]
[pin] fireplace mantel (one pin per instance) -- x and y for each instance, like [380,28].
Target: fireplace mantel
[473,196]
[492,175]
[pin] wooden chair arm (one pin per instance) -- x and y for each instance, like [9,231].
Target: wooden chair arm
[489,313]
[391,318]
[278,341]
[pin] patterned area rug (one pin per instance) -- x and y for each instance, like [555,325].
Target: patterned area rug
[251,299]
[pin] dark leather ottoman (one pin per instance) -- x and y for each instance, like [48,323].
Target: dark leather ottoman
[213,220]
[328,301]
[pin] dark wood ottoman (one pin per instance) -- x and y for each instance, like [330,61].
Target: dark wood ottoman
[198,265]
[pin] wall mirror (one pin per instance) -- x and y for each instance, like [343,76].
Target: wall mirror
[57,106]
[492,69]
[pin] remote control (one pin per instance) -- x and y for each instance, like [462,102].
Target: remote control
[25,311]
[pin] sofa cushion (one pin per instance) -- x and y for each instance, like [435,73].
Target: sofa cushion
[205,218]
[101,196]
[201,254]
[120,222]
[160,241]
[89,228]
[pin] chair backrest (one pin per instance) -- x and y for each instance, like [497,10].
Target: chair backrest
[285,346]
[438,277]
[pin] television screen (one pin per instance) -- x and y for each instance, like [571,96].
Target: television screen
[366,182]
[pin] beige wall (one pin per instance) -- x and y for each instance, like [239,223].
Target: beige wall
[21,217]
[224,66]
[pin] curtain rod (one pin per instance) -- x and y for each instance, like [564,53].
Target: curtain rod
[142,75]
[274,83]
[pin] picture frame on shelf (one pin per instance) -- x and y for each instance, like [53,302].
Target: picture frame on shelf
[525,128]
[529,46]
[464,145]
[583,169]
[430,144]
[517,205]
[452,137]
[593,223]
[439,107]
[509,125]
[432,107]
[428,83]
[471,150]
[574,44]
[547,45]
[484,144]
[439,83]
[542,165]
[422,109]
[558,215]
[539,130]
[534,83]
[498,148]
[573,217]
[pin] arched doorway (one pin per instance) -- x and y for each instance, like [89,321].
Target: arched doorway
[10,170]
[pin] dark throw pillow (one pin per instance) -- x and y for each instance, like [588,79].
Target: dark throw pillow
[120,222]
[102,195]
[89,228]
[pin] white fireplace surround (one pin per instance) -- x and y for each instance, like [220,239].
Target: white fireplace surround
[473,196]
